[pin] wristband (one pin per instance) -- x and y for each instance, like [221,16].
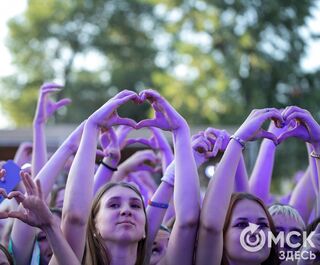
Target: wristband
[168,175]
[158,204]
[239,140]
[315,155]
[108,167]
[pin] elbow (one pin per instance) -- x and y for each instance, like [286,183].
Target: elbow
[208,226]
[74,218]
[188,221]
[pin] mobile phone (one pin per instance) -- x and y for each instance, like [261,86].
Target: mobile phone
[11,178]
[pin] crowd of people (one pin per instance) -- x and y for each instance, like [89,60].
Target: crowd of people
[85,205]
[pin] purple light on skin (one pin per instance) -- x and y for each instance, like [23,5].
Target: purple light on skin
[26,166]
[209,171]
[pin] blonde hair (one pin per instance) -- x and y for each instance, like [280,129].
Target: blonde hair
[288,211]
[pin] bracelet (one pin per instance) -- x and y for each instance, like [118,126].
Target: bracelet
[158,204]
[108,167]
[239,140]
[315,155]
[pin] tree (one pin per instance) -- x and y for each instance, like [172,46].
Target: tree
[214,61]
[237,55]
[50,38]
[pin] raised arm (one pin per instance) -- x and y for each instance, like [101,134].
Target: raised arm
[307,129]
[221,187]
[36,213]
[303,196]
[45,109]
[109,164]
[182,239]
[79,188]
[261,176]
[220,140]
[23,235]
[23,154]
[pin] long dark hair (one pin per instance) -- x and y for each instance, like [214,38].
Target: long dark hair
[235,198]
[95,251]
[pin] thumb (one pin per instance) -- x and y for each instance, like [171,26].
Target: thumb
[286,135]
[146,123]
[126,121]
[268,135]
[61,103]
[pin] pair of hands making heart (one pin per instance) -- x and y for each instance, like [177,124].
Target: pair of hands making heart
[291,122]
[166,117]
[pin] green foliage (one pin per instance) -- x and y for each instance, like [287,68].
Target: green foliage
[48,41]
[225,57]
[213,60]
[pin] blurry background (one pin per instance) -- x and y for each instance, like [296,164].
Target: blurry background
[213,60]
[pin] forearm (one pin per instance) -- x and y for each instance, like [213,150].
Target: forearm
[62,251]
[154,214]
[170,213]
[102,176]
[186,187]
[315,176]
[79,191]
[220,189]
[80,179]
[303,196]
[53,168]
[241,181]
[22,237]
[260,180]
[167,156]
[39,153]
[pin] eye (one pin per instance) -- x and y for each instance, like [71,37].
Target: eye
[114,205]
[136,206]
[242,225]
[263,225]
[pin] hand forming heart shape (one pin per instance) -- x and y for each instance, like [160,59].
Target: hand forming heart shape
[300,124]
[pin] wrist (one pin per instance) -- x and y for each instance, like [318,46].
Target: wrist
[91,126]
[182,127]
[181,131]
[108,165]
[51,226]
[38,122]
[316,147]
[111,161]
[234,142]
[120,174]
[239,140]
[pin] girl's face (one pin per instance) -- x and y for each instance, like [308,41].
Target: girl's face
[287,224]
[121,216]
[245,212]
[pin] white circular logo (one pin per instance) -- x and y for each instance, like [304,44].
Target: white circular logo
[258,241]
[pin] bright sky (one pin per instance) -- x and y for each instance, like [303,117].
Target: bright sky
[9,9]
